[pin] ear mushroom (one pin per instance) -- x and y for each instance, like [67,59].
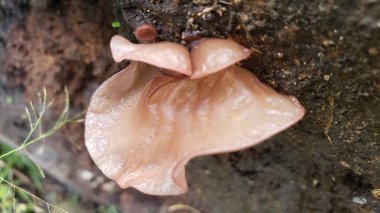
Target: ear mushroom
[142,126]
[145,33]
[166,55]
[210,55]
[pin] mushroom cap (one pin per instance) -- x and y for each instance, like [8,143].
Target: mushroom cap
[143,127]
[167,55]
[145,32]
[210,55]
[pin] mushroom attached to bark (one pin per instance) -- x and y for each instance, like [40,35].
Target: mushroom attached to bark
[142,126]
[145,32]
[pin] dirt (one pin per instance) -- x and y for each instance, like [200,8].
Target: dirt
[326,53]
[65,44]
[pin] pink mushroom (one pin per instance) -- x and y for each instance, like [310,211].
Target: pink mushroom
[168,56]
[142,126]
[145,32]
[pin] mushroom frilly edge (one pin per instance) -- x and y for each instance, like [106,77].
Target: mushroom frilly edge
[169,105]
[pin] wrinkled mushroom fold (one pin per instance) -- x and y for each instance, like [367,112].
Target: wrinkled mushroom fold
[142,127]
[207,56]
[167,55]
[210,55]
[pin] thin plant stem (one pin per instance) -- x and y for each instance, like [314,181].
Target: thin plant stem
[31,195]
[36,134]
[62,120]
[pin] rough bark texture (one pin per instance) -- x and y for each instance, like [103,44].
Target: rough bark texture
[326,53]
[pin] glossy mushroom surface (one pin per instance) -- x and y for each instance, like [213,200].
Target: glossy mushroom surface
[145,32]
[142,127]
[167,55]
[210,55]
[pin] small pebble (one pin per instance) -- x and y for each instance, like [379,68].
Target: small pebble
[177,2]
[302,76]
[109,186]
[260,23]
[375,72]
[359,200]
[373,51]
[344,164]
[327,42]
[244,18]
[237,2]
[86,175]
[315,182]
[376,193]
[326,77]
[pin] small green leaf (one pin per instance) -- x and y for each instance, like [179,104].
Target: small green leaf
[116,24]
